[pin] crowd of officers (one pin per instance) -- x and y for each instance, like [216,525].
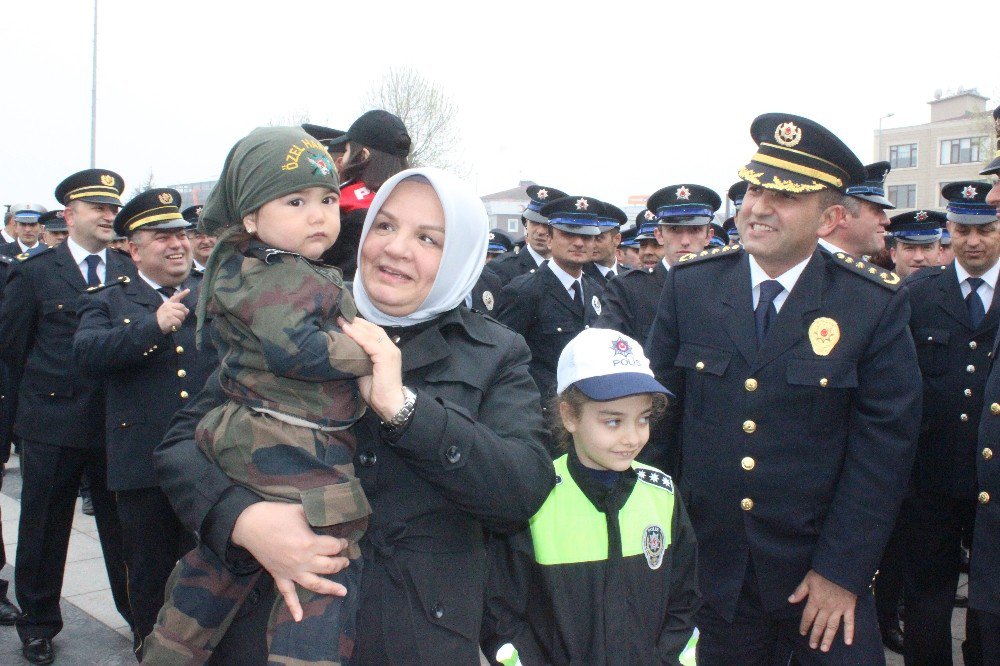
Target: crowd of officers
[98,351]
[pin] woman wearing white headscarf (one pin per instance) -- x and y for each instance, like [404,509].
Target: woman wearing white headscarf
[464,452]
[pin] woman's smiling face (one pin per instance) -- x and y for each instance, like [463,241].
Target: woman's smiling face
[402,251]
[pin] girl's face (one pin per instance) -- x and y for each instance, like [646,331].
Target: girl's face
[609,435]
[306,222]
[403,248]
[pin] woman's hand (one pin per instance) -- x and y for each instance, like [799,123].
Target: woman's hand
[279,537]
[383,391]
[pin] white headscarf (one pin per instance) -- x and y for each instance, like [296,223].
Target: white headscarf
[466,237]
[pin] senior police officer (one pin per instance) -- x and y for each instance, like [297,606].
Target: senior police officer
[60,411]
[26,217]
[794,489]
[536,236]
[861,232]
[915,240]
[549,307]
[138,334]
[954,322]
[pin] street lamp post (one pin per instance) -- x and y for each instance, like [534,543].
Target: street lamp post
[878,156]
[93,97]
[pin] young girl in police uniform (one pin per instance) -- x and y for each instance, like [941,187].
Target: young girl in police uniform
[606,572]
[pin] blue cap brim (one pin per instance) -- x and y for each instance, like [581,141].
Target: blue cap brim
[619,385]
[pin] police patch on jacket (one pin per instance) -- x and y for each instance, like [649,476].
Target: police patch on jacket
[653,546]
[595,302]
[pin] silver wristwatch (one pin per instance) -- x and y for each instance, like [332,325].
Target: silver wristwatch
[400,418]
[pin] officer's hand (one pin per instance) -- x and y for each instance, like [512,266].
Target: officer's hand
[278,537]
[383,391]
[828,603]
[172,313]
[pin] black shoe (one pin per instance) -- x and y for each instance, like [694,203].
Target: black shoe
[892,639]
[38,650]
[8,612]
[87,506]
[961,601]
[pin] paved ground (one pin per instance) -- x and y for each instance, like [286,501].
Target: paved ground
[96,635]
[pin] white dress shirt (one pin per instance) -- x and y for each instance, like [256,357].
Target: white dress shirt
[787,280]
[80,257]
[985,290]
[566,279]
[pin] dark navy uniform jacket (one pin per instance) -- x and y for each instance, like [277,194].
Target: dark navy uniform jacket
[486,293]
[511,265]
[591,269]
[984,583]
[538,307]
[8,385]
[57,402]
[148,375]
[629,301]
[954,361]
[807,466]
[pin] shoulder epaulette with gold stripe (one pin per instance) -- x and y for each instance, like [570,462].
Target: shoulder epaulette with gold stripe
[876,274]
[32,253]
[733,250]
[122,279]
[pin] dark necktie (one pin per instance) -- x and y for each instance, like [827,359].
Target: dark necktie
[766,312]
[974,302]
[578,295]
[167,291]
[93,261]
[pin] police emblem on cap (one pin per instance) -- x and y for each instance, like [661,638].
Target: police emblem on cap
[650,215]
[108,180]
[621,347]
[493,236]
[197,211]
[788,134]
[582,204]
[165,198]
[542,194]
[969,192]
[920,216]
[653,546]
[488,300]
[682,193]
[595,302]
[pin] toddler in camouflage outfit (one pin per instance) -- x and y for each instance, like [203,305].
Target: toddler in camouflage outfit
[290,376]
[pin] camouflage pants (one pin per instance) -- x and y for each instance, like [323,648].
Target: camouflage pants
[280,462]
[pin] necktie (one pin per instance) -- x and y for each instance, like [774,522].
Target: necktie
[167,291]
[578,295]
[93,261]
[610,274]
[766,312]
[974,302]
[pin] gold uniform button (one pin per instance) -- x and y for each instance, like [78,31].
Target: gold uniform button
[182,373]
[987,453]
[984,497]
[184,394]
[59,307]
[699,366]
[750,384]
[963,417]
[748,463]
[746,504]
[973,345]
[823,382]
[968,393]
[179,349]
[749,427]
[995,408]
[970,368]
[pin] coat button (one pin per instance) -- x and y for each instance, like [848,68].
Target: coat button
[823,382]
[127,320]
[970,368]
[52,395]
[182,373]
[558,329]
[749,427]
[367,458]
[452,454]
[973,345]
[995,408]
[968,393]
[699,366]
[438,611]
[963,418]
[184,395]
[59,307]
[179,349]
[746,504]
[395,339]
[750,384]
[987,453]
[984,497]
[748,463]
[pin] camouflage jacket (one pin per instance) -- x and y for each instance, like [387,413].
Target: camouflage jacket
[275,318]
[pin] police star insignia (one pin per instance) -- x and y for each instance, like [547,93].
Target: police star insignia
[920,216]
[166,198]
[582,204]
[969,192]
[542,194]
[683,193]
[108,180]
[649,215]
[621,347]
[788,134]
[197,211]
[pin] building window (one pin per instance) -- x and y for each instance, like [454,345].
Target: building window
[513,224]
[903,196]
[963,151]
[903,156]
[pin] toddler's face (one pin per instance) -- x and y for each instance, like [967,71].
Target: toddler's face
[306,222]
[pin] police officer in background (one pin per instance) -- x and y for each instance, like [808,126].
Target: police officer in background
[139,335]
[651,249]
[483,297]
[627,251]
[26,218]
[60,411]
[54,225]
[861,232]
[954,323]
[946,254]
[605,264]
[536,236]
[914,240]
[550,306]
[201,243]
[792,490]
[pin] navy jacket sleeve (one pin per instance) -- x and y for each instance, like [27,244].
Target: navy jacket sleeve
[661,350]
[18,314]
[103,342]
[614,314]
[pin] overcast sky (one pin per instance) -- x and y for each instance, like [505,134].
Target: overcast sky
[606,99]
